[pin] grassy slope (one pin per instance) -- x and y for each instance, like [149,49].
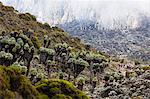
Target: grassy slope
[11,20]
[12,83]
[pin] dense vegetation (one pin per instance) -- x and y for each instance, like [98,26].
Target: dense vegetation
[37,60]
[19,53]
[15,85]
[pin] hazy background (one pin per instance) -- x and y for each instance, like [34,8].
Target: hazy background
[107,13]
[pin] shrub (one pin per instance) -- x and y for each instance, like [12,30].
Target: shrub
[27,17]
[42,96]
[59,88]
[36,42]
[33,71]
[47,50]
[96,57]
[57,29]
[17,46]
[4,40]
[82,62]
[145,67]
[61,96]
[137,62]
[7,56]
[7,8]
[20,41]
[12,81]
[81,82]
[113,75]
[62,45]
[46,25]
[130,74]
[26,46]
[11,41]
[26,39]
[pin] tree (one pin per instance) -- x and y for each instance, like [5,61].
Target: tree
[81,82]
[95,61]
[6,58]
[33,73]
[77,66]
[62,48]
[28,55]
[46,54]
[49,66]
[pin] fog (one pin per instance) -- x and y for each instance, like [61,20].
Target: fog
[106,13]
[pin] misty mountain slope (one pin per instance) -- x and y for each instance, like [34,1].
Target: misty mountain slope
[114,26]
[134,43]
[43,62]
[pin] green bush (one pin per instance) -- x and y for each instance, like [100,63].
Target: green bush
[57,29]
[27,17]
[59,89]
[5,55]
[7,8]
[12,81]
[46,25]
[137,62]
[36,42]
[113,75]
[130,74]
[42,96]
[47,50]
[145,67]
[61,96]
[26,39]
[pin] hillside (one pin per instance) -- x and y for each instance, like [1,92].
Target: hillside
[117,28]
[42,62]
[11,20]
[131,42]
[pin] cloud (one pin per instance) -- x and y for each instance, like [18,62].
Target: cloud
[108,13]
